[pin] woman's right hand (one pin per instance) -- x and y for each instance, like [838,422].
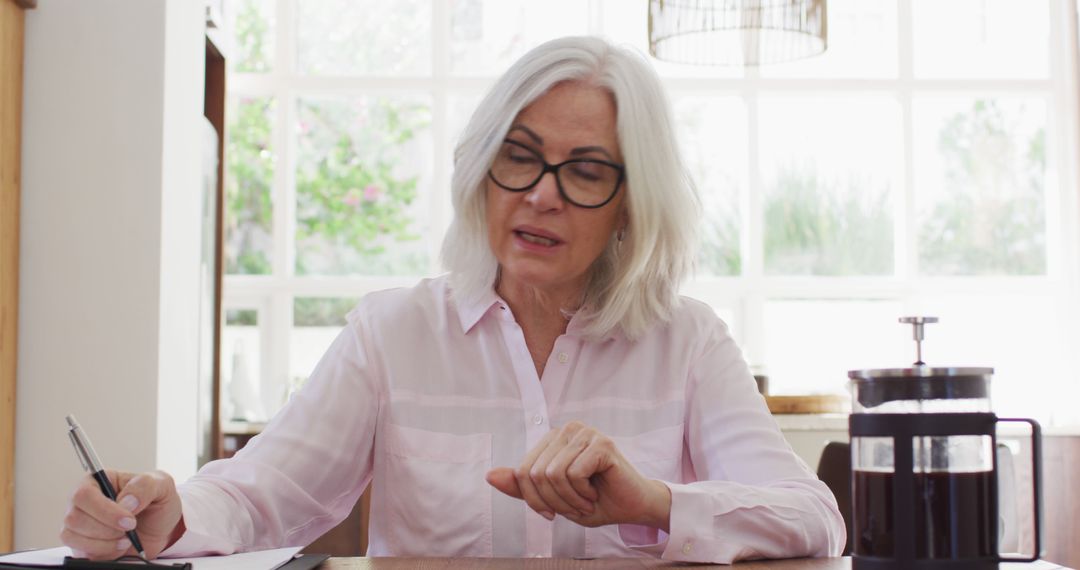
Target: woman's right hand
[148,503]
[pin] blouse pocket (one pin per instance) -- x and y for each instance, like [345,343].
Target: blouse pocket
[655,454]
[437,501]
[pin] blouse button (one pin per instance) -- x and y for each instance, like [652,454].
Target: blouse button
[538,419]
[563,357]
[687,547]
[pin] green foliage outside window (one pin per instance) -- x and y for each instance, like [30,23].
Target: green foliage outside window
[250,33]
[992,219]
[352,201]
[248,158]
[719,253]
[241,317]
[322,311]
[822,226]
[249,205]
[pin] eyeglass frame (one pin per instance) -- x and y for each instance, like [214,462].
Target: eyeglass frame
[554,169]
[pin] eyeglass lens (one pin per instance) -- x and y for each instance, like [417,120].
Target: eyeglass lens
[585,182]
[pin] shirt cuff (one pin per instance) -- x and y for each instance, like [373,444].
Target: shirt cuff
[187,543]
[689,512]
[643,538]
[196,540]
[192,544]
[691,522]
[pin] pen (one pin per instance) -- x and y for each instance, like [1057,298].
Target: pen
[90,462]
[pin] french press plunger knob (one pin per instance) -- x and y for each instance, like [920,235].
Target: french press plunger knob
[918,334]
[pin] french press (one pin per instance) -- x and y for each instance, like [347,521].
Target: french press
[924,467]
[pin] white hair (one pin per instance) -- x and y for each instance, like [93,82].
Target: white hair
[634,283]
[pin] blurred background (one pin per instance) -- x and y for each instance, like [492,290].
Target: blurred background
[919,166]
[194,194]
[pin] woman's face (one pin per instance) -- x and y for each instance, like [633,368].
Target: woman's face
[539,238]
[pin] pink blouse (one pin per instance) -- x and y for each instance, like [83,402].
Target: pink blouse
[419,396]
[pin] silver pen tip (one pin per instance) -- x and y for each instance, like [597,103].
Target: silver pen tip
[143,555]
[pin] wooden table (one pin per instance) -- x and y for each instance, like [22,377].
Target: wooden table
[604,564]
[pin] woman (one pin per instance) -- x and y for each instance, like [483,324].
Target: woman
[555,362]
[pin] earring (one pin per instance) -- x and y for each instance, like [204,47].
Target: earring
[620,234]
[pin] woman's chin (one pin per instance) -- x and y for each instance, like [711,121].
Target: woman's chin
[537,276]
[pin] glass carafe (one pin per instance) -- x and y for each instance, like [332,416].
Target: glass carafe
[924,489]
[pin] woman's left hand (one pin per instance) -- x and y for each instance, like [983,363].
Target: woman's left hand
[577,472]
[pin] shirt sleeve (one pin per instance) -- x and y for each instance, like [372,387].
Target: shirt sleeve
[754,497]
[302,474]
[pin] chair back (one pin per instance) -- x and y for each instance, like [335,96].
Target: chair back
[834,469]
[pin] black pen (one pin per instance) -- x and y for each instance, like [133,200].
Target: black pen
[90,462]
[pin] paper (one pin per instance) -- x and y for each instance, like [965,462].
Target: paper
[260,560]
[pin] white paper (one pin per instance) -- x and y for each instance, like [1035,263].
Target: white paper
[261,560]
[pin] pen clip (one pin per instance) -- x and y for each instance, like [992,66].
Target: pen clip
[79,449]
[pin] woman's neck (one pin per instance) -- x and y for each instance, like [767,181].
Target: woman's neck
[541,314]
[540,309]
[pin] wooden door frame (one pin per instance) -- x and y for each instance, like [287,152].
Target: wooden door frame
[12,24]
[214,111]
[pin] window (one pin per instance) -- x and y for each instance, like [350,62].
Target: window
[920,166]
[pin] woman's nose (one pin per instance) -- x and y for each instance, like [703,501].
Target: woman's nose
[545,195]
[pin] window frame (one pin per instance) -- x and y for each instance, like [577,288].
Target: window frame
[744,295]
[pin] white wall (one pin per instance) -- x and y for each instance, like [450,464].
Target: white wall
[108,245]
[181,238]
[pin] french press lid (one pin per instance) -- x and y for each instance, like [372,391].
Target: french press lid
[875,386]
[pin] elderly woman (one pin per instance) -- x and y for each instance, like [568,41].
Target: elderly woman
[551,396]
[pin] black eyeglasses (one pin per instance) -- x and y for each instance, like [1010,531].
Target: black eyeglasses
[584,182]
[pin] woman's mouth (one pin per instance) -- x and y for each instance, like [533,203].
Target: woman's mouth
[539,240]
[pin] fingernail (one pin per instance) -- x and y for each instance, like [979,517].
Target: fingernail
[127,523]
[129,502]
[123,544]
[548,515]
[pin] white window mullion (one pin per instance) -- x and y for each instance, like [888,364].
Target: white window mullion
[283,29]
[1066,211]
[279,260]
[752,232]
[285,223]
[281,298]
[252,84]
[905,248]
[276,360]
[596,17]
[1052,188]
[439,200]
[861,86]
[906,225]
[1057,139]
[1068,168]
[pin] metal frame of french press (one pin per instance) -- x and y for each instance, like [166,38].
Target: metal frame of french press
[903,429]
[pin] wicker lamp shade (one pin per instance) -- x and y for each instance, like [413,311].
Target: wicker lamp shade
[736,32]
